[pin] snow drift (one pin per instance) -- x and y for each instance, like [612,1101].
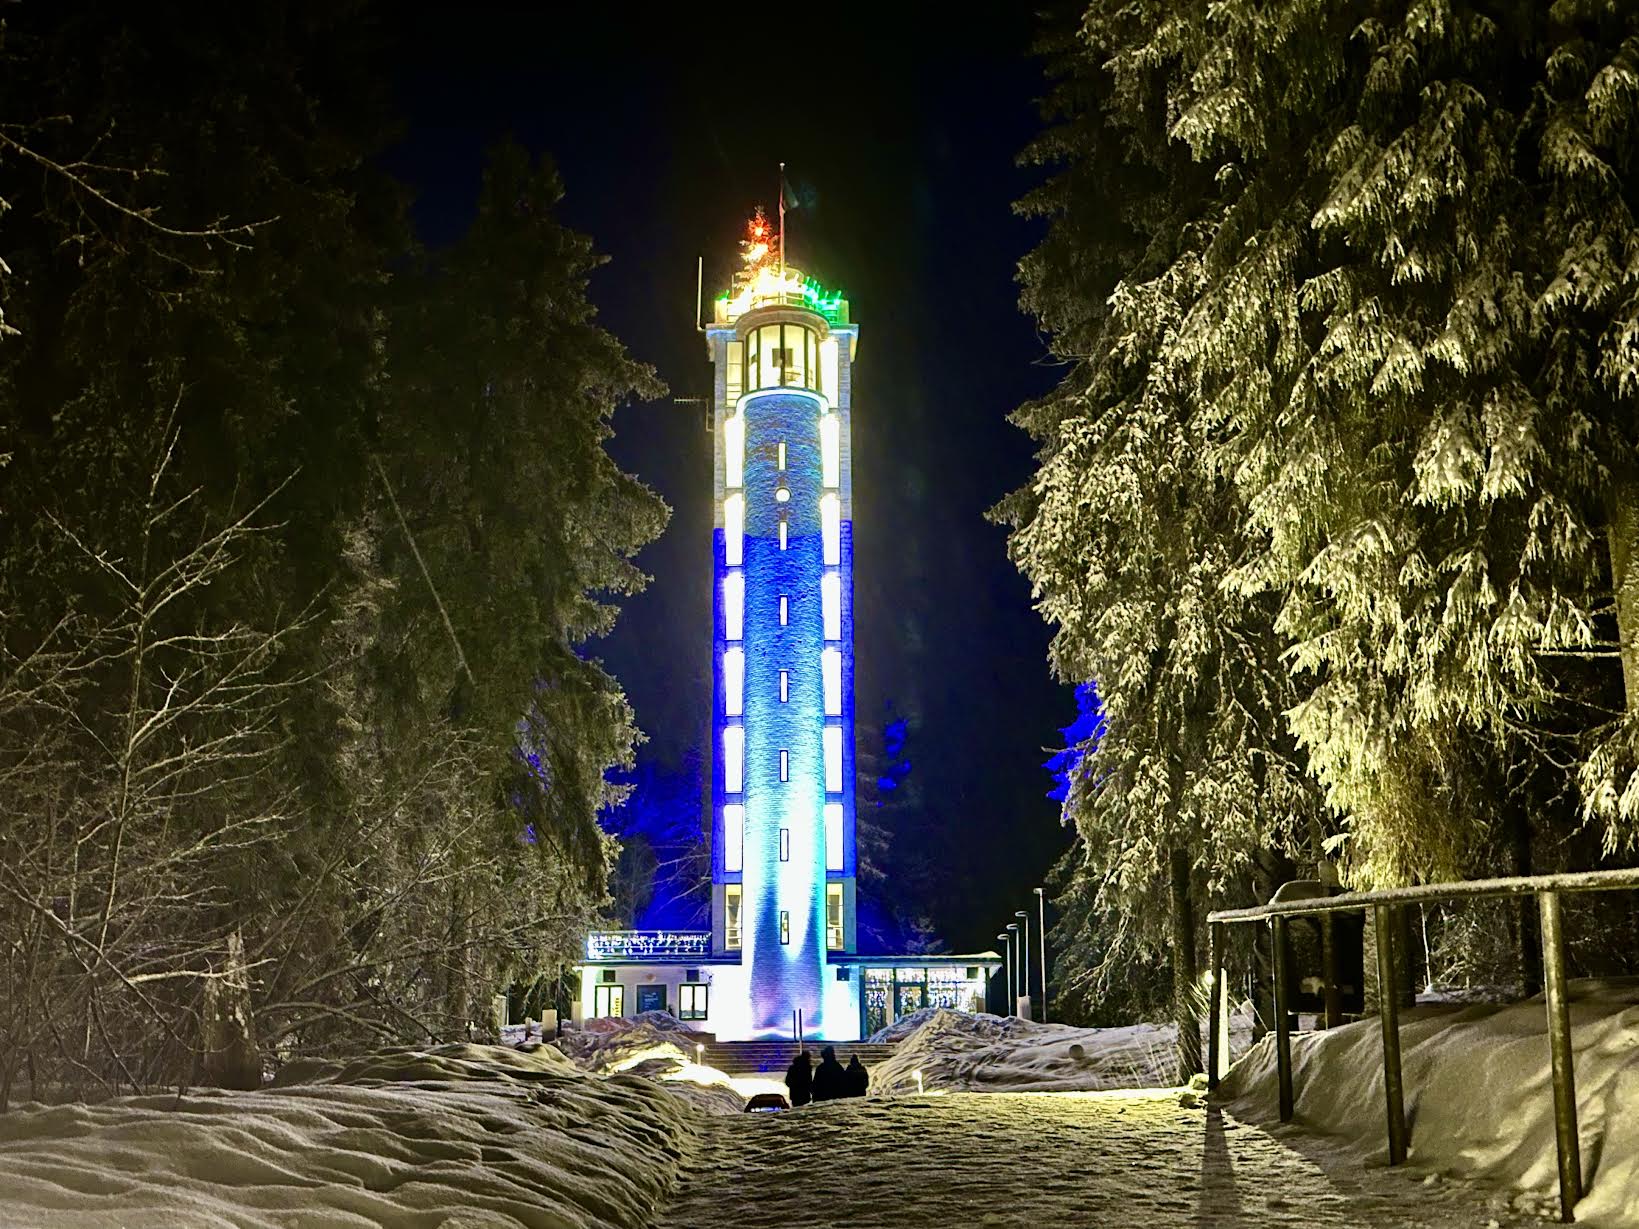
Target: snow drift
[985,1053]
[476,1136]
[1479,1099]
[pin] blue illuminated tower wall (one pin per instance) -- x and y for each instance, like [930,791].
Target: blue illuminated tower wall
[782,794]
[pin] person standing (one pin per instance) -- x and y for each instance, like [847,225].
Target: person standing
[830,1081]
[799,1079]
[859,1080]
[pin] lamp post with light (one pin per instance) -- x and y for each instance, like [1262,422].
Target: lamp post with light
[1024,964]
[1041,908]
[1013,1008]
[1007,947]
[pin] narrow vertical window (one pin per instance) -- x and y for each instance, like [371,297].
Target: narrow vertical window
[831,529]
[734,605]
[785,925]
[734,682]
[785,610]
[785,764]
[831,670]
[784,530]
[831,450]
[734,758]
[785,686]
[731,916]
[833,836]
[734,836]
[833,759]
[831,604]
[734,450]
[734,529]
[834,929]
[785,844]
[781,451]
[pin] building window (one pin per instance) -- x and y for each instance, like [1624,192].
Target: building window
[831,605]
[608,1000]
[734,529]
[831,529]
[833,836]
[831,671]
[785,844]
[833,916]
[781,451]
[736,370]
[691,1001]
[785,686]
[734,606]
[785,926]
[734,680]
[785,764]
[785,529]
[734,758]
[734,836]
[785,610]
[734,451]
[830,450]
[833,759]
[731,916]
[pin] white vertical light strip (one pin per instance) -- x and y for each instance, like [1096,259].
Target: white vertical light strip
[784,530]
[781,460]
[734,837]
[734,606]
[785,686]
[734,682]
[785,610]
[734,758]
[828,367]
[831,670]
[734,529]
[831,450]
[831,528]
[734,450]
[833,759]
[833,836]
[831,601]
[785,764]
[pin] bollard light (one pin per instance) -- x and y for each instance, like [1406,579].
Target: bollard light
[699,1054]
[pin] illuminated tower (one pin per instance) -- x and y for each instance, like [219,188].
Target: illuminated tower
[783,861]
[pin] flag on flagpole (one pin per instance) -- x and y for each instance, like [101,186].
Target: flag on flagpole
[782,221]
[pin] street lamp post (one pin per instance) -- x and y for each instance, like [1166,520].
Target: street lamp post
[1007,947]
[1024,964]
[1013,1008]
[1041,908]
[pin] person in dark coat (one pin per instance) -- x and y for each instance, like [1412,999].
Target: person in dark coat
[830,1081]
[799,1079]
[858,1078]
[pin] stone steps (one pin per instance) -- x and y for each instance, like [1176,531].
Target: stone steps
[771,1058]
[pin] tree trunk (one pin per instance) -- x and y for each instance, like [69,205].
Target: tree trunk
[1623,537]
[1186,970]
[228,1055]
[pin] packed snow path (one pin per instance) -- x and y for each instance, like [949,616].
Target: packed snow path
[1046,1161]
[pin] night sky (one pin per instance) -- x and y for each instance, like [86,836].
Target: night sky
[899,131]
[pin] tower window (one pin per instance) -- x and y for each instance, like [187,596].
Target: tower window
[784,530]
[785,925]
[785,844]
[731,916]
[785,686]
[833,916]
[785,764]
[782,454]
[785,610]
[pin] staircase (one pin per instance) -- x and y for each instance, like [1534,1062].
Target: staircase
[771,1058]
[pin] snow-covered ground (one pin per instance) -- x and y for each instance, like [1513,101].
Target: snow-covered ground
[984,1053]
[1478,1095]
[468,1136]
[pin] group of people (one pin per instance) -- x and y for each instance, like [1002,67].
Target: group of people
[827,1082]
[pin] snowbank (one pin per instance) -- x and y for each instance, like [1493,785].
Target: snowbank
[475,1136]
[1479,1097]
[985,1053]
[608,1044]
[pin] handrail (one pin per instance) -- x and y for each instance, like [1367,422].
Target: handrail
[1464,889]
[1385,905]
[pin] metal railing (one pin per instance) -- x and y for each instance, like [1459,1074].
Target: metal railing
[1384,906]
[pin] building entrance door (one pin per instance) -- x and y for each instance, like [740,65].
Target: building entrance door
[910,991]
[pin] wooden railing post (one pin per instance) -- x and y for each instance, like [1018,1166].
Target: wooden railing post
[1215,1012]
[1283,1021]
[1559,1045]
[1388,1014]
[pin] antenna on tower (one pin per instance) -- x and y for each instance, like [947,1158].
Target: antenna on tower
[699,290]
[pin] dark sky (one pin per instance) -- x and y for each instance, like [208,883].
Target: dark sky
[899,129]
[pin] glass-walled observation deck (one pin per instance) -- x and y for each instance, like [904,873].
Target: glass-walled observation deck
[778,342]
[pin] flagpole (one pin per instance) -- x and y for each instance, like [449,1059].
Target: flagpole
[782,224]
